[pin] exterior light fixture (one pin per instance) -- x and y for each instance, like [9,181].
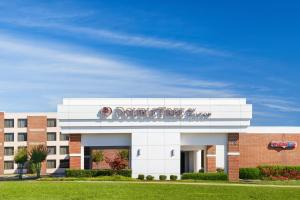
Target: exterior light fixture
[172,153]
[138,153]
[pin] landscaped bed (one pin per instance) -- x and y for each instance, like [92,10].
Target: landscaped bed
[36,190]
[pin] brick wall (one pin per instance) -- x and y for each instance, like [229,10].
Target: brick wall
[211,158]
[75,151]
[233,142]
[1,143]
[254,150]
[37,133]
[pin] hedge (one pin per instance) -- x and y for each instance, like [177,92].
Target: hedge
[95,173]
[205,176]
[291,172]
[250,173]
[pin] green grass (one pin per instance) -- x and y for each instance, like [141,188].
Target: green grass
[37,190]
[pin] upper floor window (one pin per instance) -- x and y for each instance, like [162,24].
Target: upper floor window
[8,151]
[22,137]
[9,123]
[22,123]
[51,136]
[9,137]
[64,137]
[51,122]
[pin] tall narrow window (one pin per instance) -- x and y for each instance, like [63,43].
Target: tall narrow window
[64,137]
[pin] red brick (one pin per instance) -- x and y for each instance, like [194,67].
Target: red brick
[211,158]
[233,160]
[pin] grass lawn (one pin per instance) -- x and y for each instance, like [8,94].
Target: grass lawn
[43,190]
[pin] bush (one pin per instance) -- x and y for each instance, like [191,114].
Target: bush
[205,176]
[141,177]
[162,177]
[201,170]
[290,172]
[219,169]
[95,173]
[250,173]
[173,177]
[149,178]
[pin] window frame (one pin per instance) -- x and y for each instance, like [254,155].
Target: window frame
[48,133]
[47,165]
[5,151]
[67,151]
[25,137]
[9,161]
[5,123]
[19,123]
[50,120]
[52,147]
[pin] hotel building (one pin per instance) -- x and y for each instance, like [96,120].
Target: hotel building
[165,136]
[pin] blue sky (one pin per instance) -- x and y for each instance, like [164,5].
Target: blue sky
[51,50]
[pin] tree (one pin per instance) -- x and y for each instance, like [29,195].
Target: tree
[38,154]
[21,158]
[124,154]
[97,157]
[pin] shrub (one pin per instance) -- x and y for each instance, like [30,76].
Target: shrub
[95,173]
[290,172]
[149,178]
[162,177]
[201,170]
[173,177]
[97,157]
[141,177]
[250,173]
[219,169]
[205,176]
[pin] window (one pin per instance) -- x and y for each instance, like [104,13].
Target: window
[63,150]
[51,122]
[8,137]
[64,163]
[22,137]
[9,123]
[8,164]
[64,137]
[51,164]
[8,151]
[51,150]
[51,136]
[22,123]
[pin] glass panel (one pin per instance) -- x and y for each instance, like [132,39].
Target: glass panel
[8,151]
[64,137]
[22,137]
[51,122]
[9,137]
[8,164]
[51,164]
[51,136]
[64,150]
[64,163]
[51,150]
[9,123]
[22,123]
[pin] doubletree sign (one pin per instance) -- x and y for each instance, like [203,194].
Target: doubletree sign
[152,113]
[283,144]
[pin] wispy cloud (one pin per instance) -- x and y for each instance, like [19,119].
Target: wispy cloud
[57,70]
[37,17]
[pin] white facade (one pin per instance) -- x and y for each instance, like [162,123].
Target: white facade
[157,141]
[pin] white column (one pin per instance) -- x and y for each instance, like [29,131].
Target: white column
[197,155]
[82,157]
